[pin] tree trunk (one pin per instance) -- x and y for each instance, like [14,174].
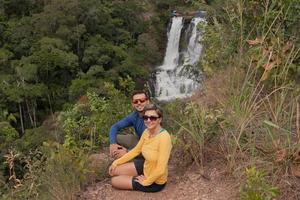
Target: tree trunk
[50,105]
[34,113]
[21,118]
[29,114]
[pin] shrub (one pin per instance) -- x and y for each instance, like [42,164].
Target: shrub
[7,133]
[256,186]
[88,122]
[53,172]
[193,127]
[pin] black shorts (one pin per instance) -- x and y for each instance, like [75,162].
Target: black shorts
[139,165]
[154,187]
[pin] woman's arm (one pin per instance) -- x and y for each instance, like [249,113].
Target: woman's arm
[164,151]
[131,154]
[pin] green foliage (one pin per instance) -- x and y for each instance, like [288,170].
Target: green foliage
[52,53]
[87,123]
[7,133]
[33,138]
[3,187]
[53,172]
[147,50]
[5,55]
[101,52]
[85,84]
[5,116]
[55,51]
[65,174]
[193,126]
[217,52]
[256,186]
[272,31]
[20,7]
[169,4]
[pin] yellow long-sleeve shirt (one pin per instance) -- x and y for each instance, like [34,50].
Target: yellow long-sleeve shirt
[156,151]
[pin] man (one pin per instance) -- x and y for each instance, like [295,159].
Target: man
[120,143]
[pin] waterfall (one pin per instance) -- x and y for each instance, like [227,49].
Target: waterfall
[172,52]
[174,80]
[194,49]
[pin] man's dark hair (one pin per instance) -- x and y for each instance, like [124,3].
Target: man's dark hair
[139,92]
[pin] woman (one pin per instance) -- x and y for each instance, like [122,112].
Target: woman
[149,175]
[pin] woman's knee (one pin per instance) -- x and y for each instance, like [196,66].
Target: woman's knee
[112,173]
[125,169]
[115,172]
[114,181]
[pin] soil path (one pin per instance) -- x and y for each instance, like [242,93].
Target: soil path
[188,185]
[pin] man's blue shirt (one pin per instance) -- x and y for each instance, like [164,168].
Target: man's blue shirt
[134,119]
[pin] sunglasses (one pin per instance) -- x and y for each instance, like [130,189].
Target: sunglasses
[152,118]
[136,101]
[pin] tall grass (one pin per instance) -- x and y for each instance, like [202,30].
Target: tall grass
[258,122]
[55,172]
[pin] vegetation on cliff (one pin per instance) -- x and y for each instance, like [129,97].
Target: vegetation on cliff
[67,69]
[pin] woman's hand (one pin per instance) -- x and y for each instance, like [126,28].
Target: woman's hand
[140,179]
[111,170]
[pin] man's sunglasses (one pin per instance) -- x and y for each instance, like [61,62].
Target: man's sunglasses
[136,101]
[152,118]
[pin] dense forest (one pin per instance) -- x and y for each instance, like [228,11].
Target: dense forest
[52,52]
[68,67]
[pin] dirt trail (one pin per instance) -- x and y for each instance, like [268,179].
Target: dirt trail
[188,185]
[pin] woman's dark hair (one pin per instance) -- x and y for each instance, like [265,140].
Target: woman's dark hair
[154,107]
[140,92]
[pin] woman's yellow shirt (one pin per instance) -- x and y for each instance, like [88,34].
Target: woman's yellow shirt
[156,151]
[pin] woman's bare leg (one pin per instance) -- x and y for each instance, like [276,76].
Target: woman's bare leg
[125,169]
[122,182]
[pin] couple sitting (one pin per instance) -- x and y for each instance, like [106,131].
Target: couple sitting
[131,171]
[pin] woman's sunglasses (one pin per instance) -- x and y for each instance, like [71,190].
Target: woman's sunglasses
[152,118]
[136,101]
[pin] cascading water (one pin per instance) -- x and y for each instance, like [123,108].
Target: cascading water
[173,80]
[194,49]
[172,53]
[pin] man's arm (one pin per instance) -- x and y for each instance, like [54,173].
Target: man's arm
[124,123]
[114,148]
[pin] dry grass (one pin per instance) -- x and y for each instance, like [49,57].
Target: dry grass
[218,88]
[260,127]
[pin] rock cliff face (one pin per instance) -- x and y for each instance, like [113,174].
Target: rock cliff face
[98,166]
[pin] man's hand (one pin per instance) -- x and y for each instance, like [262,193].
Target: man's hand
[120,152]
[117,151]
[113,148]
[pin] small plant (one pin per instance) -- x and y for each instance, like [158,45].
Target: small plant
[7,133]
[10,161]
[195,128]
[256,186]
[53,172]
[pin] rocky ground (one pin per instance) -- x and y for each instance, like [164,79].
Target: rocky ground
[186,185]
